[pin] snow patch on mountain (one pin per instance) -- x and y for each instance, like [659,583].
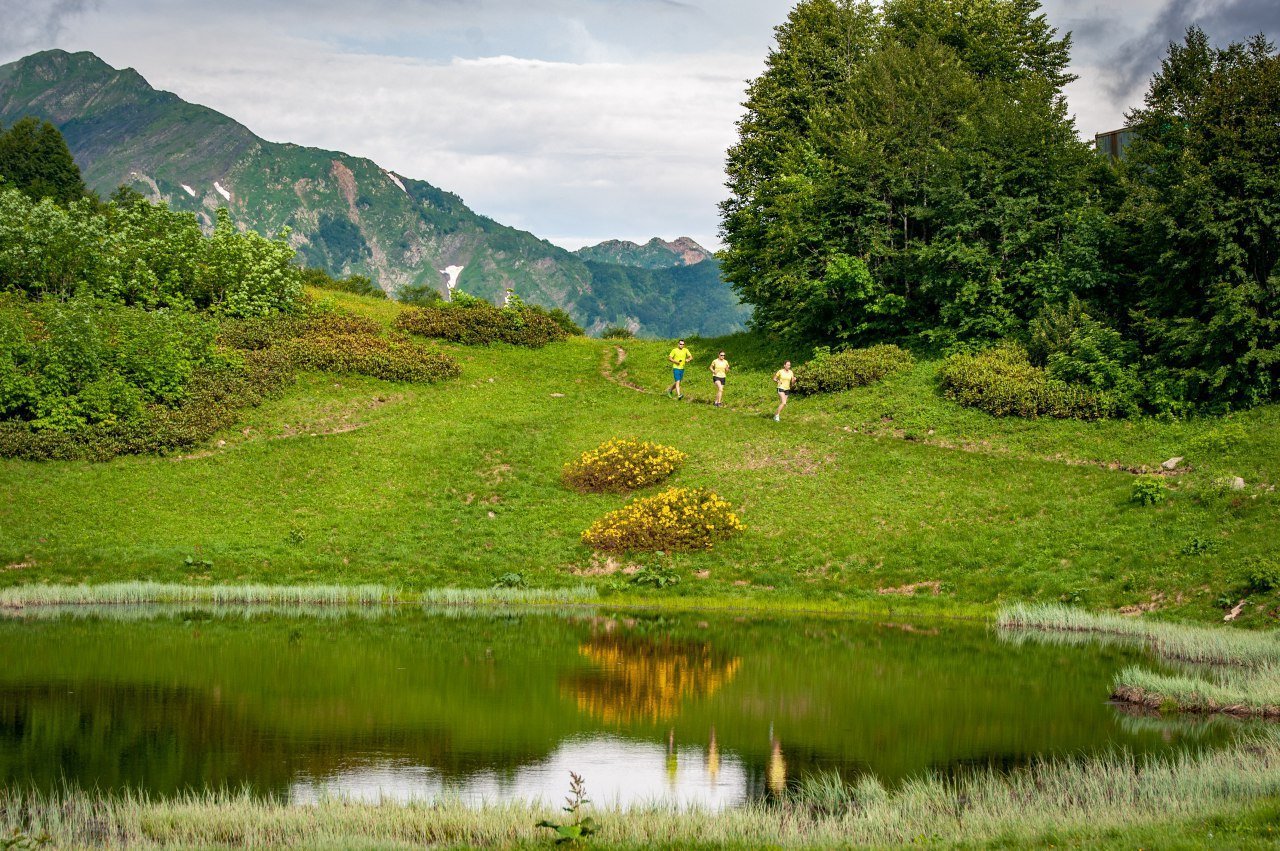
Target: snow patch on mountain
[396,181]
[189,190]
[453,272]
[221,191]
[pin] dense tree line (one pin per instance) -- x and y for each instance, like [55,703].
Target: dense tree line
[909,171]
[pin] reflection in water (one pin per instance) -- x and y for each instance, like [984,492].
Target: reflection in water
[713,710]
[617,771]
[637,678]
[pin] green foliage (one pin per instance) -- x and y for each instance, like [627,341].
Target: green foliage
[899,173]
[665,302]
[1149,490]
[1263,577]
[1199,221]
[420,296]
[476,322]
[564,320]
[137,253]
[1002,381]
[65,366]
[1218,440]
[581,826]
[376,356]
[1198,546]
[357,284]
[617,332]
[828,373]
[655,577]
[509,580]
[34,159]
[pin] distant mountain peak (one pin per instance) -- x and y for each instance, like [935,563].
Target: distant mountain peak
[657,253]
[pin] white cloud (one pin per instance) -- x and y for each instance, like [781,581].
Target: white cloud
[579,120]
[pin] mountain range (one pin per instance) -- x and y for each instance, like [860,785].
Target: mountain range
[347,214]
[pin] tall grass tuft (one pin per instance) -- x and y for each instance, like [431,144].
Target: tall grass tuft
[507,596]
[1249,692]
[136,593]
[1083,798]
[1213,646]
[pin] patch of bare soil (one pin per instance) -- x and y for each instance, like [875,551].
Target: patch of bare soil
[798,460]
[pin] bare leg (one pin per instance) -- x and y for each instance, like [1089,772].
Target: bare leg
[781,404]
[719,392]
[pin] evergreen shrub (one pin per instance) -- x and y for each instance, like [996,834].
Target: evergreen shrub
[676,519]
[622,464]
[1003,382]
[480,323]
[833,373]
[396,359]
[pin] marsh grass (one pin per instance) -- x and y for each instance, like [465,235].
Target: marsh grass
[138,593]
[1206,645]
[1228,671]
[294,598]
[1249,692]
[1075,797]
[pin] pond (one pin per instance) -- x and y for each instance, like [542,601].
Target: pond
[492,705]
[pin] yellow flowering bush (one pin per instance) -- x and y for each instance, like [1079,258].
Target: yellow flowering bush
[622,464]
[676,519]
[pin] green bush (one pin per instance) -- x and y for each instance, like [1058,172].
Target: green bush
[1263,576]
[67,365]
[1002,381]
[357,284]
[480,323]
[828,373]
[379,357]
[616,332]
[563,319]
[1149,491]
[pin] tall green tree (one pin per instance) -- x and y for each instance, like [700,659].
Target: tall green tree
[1202,214]
[35,159]
[910,169]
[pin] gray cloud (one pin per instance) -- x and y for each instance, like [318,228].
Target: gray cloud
[33,25]
[1233,20]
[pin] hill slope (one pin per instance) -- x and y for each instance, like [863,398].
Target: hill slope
[346,214]
[862,496]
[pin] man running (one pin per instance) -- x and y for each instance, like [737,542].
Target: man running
[783,378]
[719,372]
[679,357]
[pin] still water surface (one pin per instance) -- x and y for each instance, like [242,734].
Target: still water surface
[410,704]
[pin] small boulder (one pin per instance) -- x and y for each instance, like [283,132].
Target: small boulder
[1172,463]
[1237,484]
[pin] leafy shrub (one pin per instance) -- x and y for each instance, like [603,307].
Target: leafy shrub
[616,332]
[1219,440]
[676,519]
[655,577]
[480,323]
[64,366]
[622,464]
[828,373]
[1263,577]
[1003,382]
[563,319]
[421,294]
[213,401]
[357,284]
[365,354]
[1149,491]
[1198,546]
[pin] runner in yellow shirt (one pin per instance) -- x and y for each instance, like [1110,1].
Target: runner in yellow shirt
[679,357]
[719,372]
[783,378]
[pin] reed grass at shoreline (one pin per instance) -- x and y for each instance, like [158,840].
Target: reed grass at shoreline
[1114,792]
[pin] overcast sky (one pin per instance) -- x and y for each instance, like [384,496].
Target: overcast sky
[579,120]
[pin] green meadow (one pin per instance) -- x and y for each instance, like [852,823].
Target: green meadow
[879,497]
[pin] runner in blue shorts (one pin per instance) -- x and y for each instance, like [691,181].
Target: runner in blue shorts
[679,358]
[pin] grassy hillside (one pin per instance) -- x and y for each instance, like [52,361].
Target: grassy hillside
[346,214]
[357,480]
